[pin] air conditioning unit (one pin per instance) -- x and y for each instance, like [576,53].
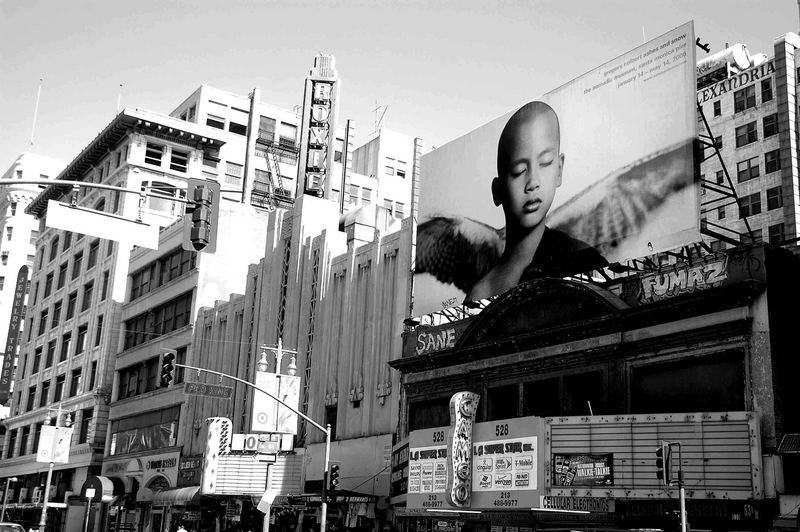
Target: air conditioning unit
[36,498]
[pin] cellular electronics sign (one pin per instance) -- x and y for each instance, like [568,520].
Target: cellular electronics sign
[506,466]
[594,172]
[318,130]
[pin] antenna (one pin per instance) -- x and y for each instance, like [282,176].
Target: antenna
[644,38]
[36,108]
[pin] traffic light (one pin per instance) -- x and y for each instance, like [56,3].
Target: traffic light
[664,463]
[167,368]
[333,477]
[202,215]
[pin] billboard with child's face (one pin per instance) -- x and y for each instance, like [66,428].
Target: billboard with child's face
[598,171]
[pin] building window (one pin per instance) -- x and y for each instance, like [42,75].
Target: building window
[238,129]
[59,391]
[179,160]
[13,208]
[9,233]
[747,169]
[43,399]
[717,108]
[62,276]
[766,90]
[72,301]
[23,440]
[67,240]
[398,210]
[37,360]
[4,258]
[53,249]
[80,343]
[31,398]
[215,121]
[772,161]
[86,421]
[88,291]
[94,250]
[93,375]
[153,154]
[76,265]
[176,265]
[266,128]
[750,205]
[234,171]
[753,238]
[770,123]
[746,134]
[51,354]
[776,233]
[42,321]
[389,170]
[75,382]
[720,175]
[774,198]
[56,314]
[66,344]
[12,434]
[104,292]
[2,282]
[48,284]
[162,319]
[98,334]
[366,195]
[744,99]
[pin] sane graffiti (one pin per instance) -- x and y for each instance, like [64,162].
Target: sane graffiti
[429,342]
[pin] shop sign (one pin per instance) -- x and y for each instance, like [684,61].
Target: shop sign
[583,469]
[115,468]
[160,464]
[15,320]
[399,479]
[444,526]
[586,504]
[505,470]
[189,469]
[191,515]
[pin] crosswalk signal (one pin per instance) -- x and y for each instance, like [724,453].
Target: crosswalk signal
[167,368]
[202,215]
[333,477]
[664,463]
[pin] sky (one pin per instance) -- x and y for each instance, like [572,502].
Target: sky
[436,69]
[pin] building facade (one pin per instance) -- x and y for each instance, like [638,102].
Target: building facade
[577,384]
[751,117]
[78,282]
[19,232]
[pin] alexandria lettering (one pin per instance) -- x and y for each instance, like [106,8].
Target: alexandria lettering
[736,82]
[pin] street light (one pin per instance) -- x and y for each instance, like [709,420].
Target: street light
[5,498]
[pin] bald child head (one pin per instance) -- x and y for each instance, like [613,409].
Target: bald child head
[534,113]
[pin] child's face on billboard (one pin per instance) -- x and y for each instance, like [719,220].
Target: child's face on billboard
[530,170]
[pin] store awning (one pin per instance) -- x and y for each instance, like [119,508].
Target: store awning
[790,444]
[105,488]
[176,496]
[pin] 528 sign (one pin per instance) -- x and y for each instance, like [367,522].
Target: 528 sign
[438,436]
[501,430]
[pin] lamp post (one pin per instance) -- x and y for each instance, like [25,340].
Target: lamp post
[53,448]
[5,498]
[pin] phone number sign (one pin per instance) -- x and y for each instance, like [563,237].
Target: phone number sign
[506,465]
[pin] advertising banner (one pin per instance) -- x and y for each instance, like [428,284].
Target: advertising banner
[597,171]
[583,469]
[10,353]
[507,459]
[54,444]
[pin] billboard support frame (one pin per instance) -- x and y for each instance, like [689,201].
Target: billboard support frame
[726,190]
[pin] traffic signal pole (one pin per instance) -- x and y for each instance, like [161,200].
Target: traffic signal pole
[681,490]
[326,430]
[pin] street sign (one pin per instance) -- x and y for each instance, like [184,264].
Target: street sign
[219,391]
[267,458]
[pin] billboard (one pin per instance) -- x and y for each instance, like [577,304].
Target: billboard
[506,467]
[597,171]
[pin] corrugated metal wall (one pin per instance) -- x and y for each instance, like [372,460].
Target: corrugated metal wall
[721,453]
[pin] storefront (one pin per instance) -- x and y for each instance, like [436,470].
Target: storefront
[699,352]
